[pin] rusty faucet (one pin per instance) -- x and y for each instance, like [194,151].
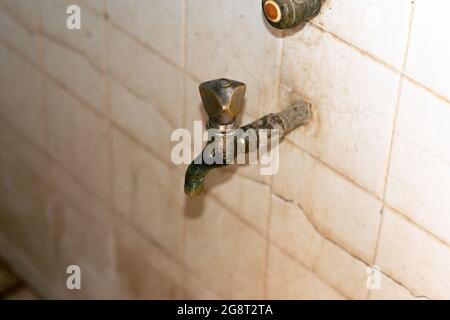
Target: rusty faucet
[222,100]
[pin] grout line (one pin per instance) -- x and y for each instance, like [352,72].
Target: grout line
[267,246]
[325,238]
[92,8]
[184,32]
[402,76]
[157,156]
[313,224]
[399,94]
[336,171]
[155,52]
[81,184]
[107,73]
[385,205]
[85,57]
[303,265]
[269,218]
[44,88]
[359,50]
[393,133]
[87,106]
[385,64]
[184,227]
[108,109]
[98,198]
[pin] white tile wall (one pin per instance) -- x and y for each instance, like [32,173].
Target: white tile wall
[89,40]
[291,230]
[230,39]
[82,233]
[379,27]
[325,198]
[16,31]
[354,98]
[378,140]
[414,257]
[224,252]
[390,290]
[69,123]
[158,24]
[428,61]
[419,177]
[146,74]
[132,113]
[21,95]
[76,73]
[147,192]
[289,280]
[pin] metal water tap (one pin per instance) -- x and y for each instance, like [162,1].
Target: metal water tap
[285,14]
[223,100]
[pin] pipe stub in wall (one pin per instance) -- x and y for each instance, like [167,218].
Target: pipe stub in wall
[286,14]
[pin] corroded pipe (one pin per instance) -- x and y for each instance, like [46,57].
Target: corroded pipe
[282,123]
[285,14]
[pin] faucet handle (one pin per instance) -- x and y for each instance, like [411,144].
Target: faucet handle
[222,100]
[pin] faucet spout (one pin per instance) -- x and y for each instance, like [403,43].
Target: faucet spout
[279,123]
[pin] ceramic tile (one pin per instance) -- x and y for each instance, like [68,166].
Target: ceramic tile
[24,190]
[390,290]
[89,41]
[21,96]
[141,119]
[95,5]
[196,290]
[18,33]
[25,11]
[325,198]
[353,98]
[163,32]
[380,28]
[77,74]
[246,198]
[83,236]
[414,258]
[146,271]
[291,230]
[231,26]
[428,61]
[343,271]
[289,280]
[222,251]
[147,192]
[421,147]
[78,140]
[150,77]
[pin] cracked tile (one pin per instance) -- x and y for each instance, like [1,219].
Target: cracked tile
[289,280]
[415,258]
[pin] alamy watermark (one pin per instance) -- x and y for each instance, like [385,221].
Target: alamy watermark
[73,21]
[249,146]
[373,278]
[73,281]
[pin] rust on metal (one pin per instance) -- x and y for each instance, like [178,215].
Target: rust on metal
[286,14]
[223,101]
[272,11]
